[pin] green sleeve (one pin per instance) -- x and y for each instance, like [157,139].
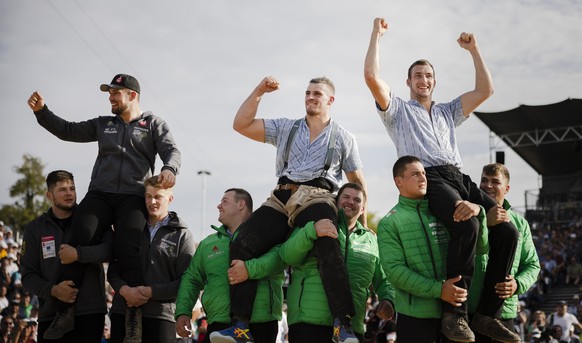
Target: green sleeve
[529,263]
[191,284]
[266,265]
[382,286]
[394,264]
[298,245]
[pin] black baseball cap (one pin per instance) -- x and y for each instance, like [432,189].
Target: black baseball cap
[122,81]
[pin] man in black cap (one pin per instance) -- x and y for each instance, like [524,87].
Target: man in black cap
[127,146]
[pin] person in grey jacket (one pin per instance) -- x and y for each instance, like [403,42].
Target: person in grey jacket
[43,240]
[167,247]
[127,146]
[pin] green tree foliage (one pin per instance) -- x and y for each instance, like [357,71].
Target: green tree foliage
[372,221]
[29,191]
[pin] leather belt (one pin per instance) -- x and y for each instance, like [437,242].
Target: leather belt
[288,186]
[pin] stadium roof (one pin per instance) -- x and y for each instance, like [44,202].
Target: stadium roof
[547,137]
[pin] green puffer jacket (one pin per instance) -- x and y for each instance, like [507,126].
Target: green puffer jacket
[208,271]
[306,300]
[413,249]
[525,269]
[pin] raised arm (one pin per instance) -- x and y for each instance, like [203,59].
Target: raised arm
[379,88]
[245,122]
[483,83]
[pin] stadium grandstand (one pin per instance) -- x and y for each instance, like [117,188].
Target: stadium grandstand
[549,139]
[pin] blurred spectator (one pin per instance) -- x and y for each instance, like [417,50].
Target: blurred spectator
[6,328]
[536,335]
[538,322]
[25,305]
[12,265]
[565,320]
[574,272]
[573,305]
[4,273]
[3,246]
[3,299]
[12,310]
[8,236]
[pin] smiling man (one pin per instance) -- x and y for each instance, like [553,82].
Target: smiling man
[308,314]
[128,143]
[526,266]
[422,128]
[208,273]
[313,153]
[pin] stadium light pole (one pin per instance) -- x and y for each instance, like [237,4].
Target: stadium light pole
[204,174]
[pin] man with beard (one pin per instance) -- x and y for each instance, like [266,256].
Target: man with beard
[307,307]
[127,146]
[43,239]
[422,128]
[312,152]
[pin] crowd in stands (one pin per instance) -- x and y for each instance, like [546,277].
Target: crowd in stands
[559,245]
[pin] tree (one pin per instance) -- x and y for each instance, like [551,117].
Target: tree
[29,192]
[373,222]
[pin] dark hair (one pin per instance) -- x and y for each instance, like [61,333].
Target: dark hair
[494,168]
[421,62]
[324,80]
[241,194]
[352,185]
[57,176]
[401,164]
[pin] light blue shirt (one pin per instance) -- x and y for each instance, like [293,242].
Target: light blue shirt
[306,160]
[154,228]
[432,137]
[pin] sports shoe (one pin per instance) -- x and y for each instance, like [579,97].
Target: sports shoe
[343,333]
[238,333]
[455,327]
[133,325]
[63,322]
[494,328]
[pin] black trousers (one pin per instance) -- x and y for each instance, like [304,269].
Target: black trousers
[416,330]
[153,330]
[96,213]
[266,228]
[446,185]
[261,332]
[309,333]
[88,329]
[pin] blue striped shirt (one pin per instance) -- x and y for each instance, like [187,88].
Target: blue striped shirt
[432,137]
[306,160]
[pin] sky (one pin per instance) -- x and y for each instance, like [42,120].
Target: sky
[197,61]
